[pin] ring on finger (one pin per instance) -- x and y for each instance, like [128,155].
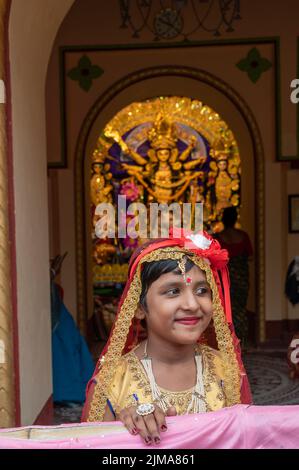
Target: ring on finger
[145,409]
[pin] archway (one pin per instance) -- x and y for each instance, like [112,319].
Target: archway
[175,81]
[165,155]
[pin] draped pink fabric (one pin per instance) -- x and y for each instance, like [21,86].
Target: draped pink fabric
[238,427]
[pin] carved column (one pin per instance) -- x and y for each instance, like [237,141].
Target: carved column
[7,398]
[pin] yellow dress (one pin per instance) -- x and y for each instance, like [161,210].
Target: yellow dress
[130,378]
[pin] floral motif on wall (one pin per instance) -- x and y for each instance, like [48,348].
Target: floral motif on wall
[254,64]
[85,73]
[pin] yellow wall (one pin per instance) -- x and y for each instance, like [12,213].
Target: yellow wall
[32,28]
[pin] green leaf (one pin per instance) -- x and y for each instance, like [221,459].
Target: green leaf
[265,64]
[85,72]
[96,71]
[74,73]
[254,64]
[243,65]
[84,62]
[253,54]
[85,83]
[254,74]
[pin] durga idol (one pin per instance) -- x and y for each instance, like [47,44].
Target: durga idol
[163,172]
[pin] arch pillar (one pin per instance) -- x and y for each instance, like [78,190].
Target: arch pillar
[7,379]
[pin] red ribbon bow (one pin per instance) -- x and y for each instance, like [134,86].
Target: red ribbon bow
[217,257]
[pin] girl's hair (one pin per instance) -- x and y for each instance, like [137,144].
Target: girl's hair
[152,271]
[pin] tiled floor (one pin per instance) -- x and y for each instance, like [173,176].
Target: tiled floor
[67,414]
[268,377]
[269,380]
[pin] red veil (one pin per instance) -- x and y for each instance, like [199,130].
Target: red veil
[126,332]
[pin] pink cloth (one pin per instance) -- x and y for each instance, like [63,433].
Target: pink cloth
[238,427]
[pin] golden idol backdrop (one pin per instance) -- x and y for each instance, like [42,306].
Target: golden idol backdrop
[164,150]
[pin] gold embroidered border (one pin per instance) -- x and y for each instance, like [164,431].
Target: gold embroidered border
[232,382]
[124,320]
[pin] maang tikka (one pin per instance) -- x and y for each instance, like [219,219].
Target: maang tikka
[182,267]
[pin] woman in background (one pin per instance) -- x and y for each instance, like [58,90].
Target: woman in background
[239,248]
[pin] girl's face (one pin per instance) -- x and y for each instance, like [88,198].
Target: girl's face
[178,312]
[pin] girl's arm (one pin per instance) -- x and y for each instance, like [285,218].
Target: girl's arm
[109,414]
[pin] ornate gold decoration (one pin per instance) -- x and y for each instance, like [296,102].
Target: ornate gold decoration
[163,133]
[7,393]
[124,320]
[100,188]
[239,103]
[100,183]
[100,192]
[192,113]
[102,251]
[165,174]
[114,273]
[180,400]
[163,169]
[225,172]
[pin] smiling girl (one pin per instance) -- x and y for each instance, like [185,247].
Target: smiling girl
[178,289]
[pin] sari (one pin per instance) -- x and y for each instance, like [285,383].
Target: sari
[225,379]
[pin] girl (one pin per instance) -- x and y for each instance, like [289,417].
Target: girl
[189,362]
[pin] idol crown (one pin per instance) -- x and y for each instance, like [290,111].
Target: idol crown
[163,133]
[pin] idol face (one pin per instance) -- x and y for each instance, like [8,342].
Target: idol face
[163,154]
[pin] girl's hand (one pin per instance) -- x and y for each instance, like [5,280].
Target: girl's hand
[149,426]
